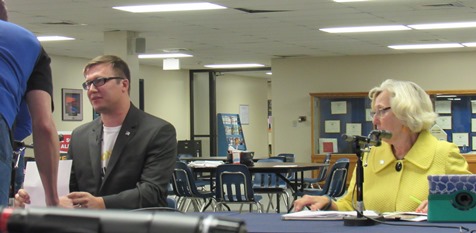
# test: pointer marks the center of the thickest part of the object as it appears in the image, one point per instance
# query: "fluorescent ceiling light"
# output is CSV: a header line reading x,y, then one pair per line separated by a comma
x,y
351,0
269,73
170,7
443,25
54,38
164,55
365,29
469,44
249,65
426,46
445,96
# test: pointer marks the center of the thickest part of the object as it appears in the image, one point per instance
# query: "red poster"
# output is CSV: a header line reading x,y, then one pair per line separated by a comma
x,y
64,144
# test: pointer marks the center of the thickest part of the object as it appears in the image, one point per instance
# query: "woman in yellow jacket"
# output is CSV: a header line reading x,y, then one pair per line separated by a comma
x,y
396,172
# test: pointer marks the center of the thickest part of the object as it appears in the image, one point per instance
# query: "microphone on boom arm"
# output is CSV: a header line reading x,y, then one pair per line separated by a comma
x,y
373,139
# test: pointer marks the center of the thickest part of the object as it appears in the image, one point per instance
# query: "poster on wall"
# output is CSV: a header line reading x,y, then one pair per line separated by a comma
x,y
65,138
327,145
72,105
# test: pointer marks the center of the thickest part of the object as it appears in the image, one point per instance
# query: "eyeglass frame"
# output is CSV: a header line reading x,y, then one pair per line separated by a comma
x,y
98,82
380,112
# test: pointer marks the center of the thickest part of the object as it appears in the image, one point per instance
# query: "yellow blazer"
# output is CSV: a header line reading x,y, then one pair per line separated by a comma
x,y
387,190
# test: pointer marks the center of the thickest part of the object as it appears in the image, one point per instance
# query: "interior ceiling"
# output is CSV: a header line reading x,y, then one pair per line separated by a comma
x,y
249,31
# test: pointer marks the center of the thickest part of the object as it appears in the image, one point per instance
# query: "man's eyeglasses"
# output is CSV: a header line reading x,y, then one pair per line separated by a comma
x,y
98,82
380,112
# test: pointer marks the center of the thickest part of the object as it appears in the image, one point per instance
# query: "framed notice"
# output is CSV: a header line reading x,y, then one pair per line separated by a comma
x,y
353,129
327,145
460,139
338,107
72,104
444,122
332,126
443,106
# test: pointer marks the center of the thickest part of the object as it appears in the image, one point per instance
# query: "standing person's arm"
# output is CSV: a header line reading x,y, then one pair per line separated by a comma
x,y
46,143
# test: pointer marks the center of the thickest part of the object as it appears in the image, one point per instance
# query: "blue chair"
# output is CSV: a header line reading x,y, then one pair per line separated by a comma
x,y
271,184
335,185
198,182
288,157
183,182
233,186
322,174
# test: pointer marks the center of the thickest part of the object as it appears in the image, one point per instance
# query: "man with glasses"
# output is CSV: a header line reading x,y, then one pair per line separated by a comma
x,y
396,172
26,90
123,159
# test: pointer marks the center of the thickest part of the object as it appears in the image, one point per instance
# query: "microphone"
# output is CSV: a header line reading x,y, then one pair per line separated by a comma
x,y
56,220
381,134
361,139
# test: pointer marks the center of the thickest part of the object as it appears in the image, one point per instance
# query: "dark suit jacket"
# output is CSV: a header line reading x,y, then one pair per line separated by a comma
x,y
140,167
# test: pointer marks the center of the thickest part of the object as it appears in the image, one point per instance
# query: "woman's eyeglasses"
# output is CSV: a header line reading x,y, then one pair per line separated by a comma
x,y
98,82
380,112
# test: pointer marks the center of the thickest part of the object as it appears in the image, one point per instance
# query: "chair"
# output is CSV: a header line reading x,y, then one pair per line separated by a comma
x,y
271,184
289,158
185,189
335,185
321,176
233,186
198,182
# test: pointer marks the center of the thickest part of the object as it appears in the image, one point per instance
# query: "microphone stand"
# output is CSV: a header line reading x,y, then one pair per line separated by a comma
x,y
360,219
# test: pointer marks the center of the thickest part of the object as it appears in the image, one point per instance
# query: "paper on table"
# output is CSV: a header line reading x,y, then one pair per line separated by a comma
x,y
324,215
405,216
34,187
286,165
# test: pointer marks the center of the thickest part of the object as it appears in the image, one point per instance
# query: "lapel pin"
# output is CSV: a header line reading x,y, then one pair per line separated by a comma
x,y
128,133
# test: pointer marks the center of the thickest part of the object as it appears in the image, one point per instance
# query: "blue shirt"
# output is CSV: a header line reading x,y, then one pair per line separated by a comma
x,y
24,66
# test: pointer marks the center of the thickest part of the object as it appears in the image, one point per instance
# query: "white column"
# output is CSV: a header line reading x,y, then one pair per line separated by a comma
x,y
122,44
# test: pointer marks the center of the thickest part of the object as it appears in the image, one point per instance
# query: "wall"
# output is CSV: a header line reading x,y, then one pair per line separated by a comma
x,y
294,79
166,93
167,96
233,91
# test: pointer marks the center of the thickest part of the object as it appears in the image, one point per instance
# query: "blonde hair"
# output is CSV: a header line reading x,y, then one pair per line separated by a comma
x,y
119,65
409,102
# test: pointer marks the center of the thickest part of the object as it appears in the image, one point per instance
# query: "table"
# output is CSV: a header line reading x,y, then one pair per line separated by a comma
x,y
216,158
272,223
278,169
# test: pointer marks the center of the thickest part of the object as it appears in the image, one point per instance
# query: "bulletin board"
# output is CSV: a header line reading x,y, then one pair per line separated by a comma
x,y
336,114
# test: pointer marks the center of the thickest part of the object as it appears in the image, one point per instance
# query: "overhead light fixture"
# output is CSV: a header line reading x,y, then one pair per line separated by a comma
x,y
469,44
244,65
445,96
443,25
269,73
365,29
164,55
351,0
169,7
54,38
171,64
426,46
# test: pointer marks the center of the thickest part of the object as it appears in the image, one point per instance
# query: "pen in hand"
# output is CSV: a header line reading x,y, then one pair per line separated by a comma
x,y
415,199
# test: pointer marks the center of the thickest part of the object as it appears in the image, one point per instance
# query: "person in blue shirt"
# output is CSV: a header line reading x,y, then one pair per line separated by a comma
x,y
25,76
21,129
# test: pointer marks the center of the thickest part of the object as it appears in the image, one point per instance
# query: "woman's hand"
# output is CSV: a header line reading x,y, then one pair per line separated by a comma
x,y
423,207
313,202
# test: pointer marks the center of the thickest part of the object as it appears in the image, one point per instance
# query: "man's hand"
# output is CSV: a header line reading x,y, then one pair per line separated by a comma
x,y
86,200
22,198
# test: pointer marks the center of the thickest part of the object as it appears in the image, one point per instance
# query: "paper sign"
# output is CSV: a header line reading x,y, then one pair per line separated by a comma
x,y
34,187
